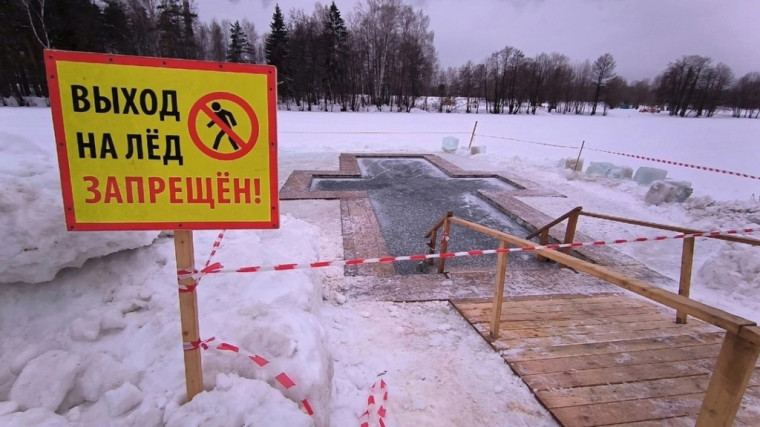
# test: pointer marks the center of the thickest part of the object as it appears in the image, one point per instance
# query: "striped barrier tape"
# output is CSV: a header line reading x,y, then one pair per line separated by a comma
x,y
379,389
282,378
215,247
218,267
670,162
529,142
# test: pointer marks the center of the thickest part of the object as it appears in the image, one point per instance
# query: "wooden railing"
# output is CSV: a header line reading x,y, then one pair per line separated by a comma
x,y
687,253
741,345
433,234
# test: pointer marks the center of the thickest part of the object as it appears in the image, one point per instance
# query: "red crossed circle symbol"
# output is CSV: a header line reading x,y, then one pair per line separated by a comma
x,y
202,106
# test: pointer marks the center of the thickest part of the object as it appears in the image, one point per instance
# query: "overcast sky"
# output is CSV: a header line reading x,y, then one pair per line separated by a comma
x,y
642,35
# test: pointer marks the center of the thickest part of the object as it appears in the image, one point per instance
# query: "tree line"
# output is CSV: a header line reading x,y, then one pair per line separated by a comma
x,y
383,55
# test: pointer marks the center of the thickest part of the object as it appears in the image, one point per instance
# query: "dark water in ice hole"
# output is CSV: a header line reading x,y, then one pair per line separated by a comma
x,y
410,195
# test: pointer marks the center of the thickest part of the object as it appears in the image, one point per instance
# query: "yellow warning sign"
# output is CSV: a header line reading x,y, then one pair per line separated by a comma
x,y
149,143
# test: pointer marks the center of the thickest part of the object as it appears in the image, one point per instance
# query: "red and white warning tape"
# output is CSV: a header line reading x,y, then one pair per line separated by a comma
x,y
218,267
378,393
215,247
282,378
529,142
670,162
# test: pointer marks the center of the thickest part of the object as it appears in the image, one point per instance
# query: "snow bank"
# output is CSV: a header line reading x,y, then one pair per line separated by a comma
x,y
238,401
114,356
36,244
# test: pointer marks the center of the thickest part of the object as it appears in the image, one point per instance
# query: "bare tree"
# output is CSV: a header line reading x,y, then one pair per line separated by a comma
x,y
745,96
35,12
603,70
582,85
252,52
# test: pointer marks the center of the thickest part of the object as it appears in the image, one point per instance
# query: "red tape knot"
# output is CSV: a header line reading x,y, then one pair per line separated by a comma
x,y
195,345
183,274
213,268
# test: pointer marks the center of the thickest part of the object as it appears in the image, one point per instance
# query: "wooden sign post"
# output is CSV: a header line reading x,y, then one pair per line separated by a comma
x,y
188,313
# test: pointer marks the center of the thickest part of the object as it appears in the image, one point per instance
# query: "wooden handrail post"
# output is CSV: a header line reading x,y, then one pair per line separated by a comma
x,y
572,224
445,241
729,380
498,292
431,245
543,240
684,285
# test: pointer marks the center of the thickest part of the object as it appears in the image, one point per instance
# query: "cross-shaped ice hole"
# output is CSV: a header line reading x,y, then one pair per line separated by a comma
x,y
410,195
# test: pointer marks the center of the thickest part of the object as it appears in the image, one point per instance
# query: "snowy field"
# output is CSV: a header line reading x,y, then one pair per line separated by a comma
x,y
90,321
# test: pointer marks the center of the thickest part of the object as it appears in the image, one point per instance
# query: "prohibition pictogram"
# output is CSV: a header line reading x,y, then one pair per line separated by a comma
x,y
225,121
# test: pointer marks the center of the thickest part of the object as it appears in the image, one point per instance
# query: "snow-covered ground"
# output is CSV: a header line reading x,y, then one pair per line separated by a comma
x,y
90,321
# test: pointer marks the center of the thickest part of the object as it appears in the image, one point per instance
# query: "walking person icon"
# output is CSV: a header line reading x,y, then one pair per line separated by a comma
x,y
228,120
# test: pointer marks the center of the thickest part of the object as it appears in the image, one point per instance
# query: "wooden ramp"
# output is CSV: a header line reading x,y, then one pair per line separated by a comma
x,y
609,359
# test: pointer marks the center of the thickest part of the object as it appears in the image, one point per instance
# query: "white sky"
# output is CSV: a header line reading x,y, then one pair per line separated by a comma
x,y
642,35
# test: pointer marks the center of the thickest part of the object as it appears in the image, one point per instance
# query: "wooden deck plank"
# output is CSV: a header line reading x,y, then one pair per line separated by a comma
x,y
609,347
661,387
608,336
619,374
748,412
630,411
610,360
559,398
665,422
531,316
570,300
562,305
582,329
580,321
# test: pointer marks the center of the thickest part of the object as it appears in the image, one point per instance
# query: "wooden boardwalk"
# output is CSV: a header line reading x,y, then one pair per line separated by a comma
x,y
609,359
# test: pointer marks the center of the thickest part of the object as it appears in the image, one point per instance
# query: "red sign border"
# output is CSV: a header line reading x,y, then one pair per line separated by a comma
x,y
51,59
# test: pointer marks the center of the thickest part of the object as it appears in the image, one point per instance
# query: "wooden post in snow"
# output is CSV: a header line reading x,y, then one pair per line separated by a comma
x,y
472,138
498,292
188,312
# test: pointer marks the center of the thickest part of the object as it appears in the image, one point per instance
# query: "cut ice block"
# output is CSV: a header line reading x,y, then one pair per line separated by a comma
x,y
450,144
668,192
646,175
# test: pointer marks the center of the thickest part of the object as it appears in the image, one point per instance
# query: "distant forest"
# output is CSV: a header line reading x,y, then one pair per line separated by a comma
x,y
382,55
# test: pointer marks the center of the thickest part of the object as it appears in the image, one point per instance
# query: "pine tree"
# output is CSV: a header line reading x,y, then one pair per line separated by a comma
x,y
336,52
175,23
117,32
276,49
237,43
